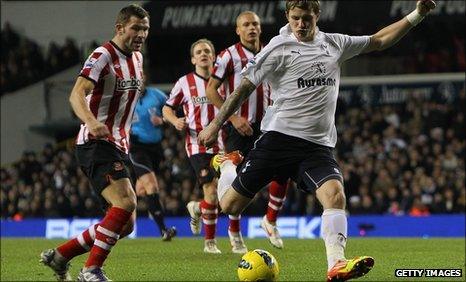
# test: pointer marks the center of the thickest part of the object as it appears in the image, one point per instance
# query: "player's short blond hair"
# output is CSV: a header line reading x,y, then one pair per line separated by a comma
x,y
245,13
132,10
202,40
310,5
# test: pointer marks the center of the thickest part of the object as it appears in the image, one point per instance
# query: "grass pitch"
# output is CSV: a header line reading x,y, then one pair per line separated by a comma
x,y
183,259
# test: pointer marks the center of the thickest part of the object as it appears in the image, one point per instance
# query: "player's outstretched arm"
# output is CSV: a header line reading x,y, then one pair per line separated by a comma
x,y
391,34
78,102
209,135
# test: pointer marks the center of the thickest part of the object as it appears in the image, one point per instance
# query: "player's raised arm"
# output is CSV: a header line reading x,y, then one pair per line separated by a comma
x,y
391,34
231,104
78,102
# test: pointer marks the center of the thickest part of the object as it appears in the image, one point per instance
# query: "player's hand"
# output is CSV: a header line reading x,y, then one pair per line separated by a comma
x,y
425,6
156,120
208,135
98,129
241,125
180,123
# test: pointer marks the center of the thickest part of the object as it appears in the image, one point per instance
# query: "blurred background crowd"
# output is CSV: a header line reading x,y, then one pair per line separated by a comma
x,y
24,62
403,158
396,159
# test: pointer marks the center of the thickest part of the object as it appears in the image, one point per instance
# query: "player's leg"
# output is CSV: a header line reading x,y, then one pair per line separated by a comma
x,y
319,172
122,198
145,162
148,183
226,165
209,215
277,194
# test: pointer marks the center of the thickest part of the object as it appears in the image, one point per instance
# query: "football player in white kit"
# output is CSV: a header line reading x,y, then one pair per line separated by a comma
x,y
302,65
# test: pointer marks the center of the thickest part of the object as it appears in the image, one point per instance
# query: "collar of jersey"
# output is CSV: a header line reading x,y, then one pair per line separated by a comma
x,y
120,50
286,31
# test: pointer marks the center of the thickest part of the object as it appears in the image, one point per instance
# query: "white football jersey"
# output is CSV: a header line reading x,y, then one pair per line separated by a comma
x,y
304,79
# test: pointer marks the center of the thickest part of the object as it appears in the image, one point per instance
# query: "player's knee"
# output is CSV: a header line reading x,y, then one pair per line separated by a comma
x,y
229,207
338,200
331,195
127,203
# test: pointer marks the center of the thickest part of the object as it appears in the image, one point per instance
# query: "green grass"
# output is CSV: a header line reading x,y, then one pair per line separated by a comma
x,y
183,259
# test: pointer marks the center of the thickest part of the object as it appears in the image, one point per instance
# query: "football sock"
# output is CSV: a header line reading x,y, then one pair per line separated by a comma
x,y
334,232
234,223
78,245
156,210
227,175
277,195
209,216
107,235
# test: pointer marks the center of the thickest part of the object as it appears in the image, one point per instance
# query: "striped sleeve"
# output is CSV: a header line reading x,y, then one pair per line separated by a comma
x,y
94,64
223,65
176,97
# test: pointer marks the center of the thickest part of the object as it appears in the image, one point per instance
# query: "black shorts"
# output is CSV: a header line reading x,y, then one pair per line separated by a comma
x,y
201,165
145,157
242,143
101,161
279,156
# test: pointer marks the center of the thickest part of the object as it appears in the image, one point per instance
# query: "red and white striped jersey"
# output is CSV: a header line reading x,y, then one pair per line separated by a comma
x,y
228,68
190,92
118,79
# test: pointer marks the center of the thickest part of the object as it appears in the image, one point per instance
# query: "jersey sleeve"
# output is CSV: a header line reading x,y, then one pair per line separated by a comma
x,y
223,66
176,97
264,63
351,45
94,64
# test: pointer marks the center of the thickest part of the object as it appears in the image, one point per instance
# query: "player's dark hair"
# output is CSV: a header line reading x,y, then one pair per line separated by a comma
x,y
132,10
310,5
202,40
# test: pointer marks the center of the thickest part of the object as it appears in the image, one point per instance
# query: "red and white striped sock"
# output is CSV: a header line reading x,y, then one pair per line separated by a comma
x,y
277,195
78,245
234,223
107,235
209,216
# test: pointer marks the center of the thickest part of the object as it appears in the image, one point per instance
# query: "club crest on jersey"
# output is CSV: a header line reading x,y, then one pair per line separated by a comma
x,y
200,100
319,68
128,84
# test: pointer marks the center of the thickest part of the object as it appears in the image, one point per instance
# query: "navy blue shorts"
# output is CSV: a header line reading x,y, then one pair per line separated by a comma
x,y
201,165
236,141
278,156
146,158
101,161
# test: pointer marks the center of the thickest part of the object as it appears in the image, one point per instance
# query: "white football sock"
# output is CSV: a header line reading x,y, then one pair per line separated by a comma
x,y
227,175
334,229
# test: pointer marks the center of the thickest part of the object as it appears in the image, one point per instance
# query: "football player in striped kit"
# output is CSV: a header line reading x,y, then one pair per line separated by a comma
x,y
104,98
189,93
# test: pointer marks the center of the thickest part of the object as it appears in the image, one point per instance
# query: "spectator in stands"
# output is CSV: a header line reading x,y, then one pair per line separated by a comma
x,y
428,168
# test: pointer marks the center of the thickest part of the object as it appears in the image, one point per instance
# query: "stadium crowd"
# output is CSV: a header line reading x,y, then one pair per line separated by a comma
x,y
24,62
396,159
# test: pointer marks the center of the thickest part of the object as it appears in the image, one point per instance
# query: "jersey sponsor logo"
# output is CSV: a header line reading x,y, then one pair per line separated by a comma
x,y
295,52
200,100
128,84
321,81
